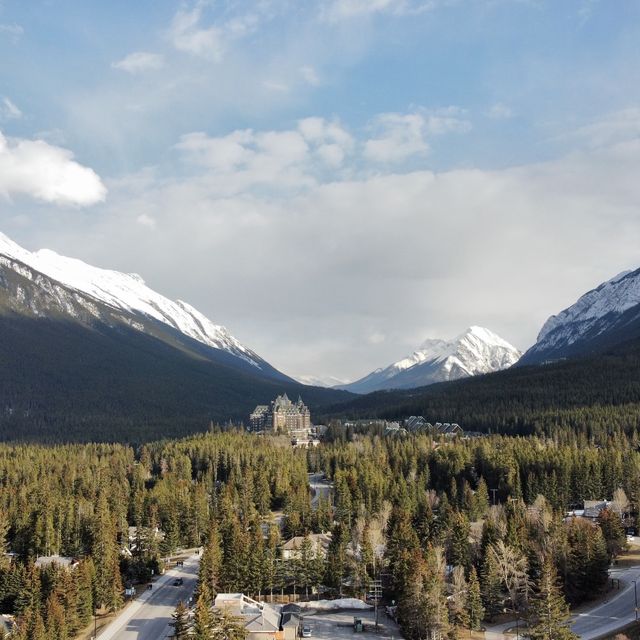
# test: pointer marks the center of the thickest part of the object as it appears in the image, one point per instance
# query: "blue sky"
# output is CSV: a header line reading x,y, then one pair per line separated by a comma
x,y
403,168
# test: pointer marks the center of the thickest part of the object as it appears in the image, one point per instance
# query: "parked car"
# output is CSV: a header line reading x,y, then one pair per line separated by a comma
x,y
306,631
178,582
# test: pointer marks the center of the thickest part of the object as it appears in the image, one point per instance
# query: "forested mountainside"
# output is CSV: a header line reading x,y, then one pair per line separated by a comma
x,y
403,508
89,354
591,395
62,381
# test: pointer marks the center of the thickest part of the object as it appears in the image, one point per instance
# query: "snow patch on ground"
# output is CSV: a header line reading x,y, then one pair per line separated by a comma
x,y
333,605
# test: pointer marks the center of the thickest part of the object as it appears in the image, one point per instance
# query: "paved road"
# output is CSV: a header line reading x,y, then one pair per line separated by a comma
x,y
320,486
149,616
616,612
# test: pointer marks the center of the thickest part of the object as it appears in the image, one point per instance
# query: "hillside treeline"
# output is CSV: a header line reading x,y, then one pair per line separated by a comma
x,y
595,396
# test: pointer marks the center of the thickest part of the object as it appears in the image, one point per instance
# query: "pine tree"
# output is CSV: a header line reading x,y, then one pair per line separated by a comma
x,y
422,607
105,554
226,626
56,624
482,499
84,574
211,563
337,558
491,587
180,621
202,617
474,601
549,611
459,549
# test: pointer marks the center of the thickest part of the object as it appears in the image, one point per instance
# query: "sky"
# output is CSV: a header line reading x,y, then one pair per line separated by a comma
x,y
335,181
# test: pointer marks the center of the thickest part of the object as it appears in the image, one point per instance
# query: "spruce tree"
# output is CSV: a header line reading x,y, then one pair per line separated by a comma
x,y
180,621
202,617
549,610
491,587
474,601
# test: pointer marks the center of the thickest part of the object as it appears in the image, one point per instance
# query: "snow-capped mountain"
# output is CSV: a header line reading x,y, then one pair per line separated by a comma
x,y
321,381
475,351
603,317
76,289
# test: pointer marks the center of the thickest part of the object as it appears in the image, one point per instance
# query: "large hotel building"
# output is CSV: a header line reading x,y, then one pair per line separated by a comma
x,y
281,417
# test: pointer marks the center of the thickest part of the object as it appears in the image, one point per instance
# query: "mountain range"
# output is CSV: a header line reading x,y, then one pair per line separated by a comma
x,y
95,354
474,352
90,353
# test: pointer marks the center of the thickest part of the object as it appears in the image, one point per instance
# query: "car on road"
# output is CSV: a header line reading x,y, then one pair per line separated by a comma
x,y
306,631
178,582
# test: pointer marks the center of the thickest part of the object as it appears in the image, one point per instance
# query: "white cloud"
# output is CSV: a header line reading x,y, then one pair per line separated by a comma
x,y
146,221
399,136
47,173
289,159
8,110
332,143
13,31
272,85
140,61
617,126
246,159
309,75
336,10
400,255
187,33
500,111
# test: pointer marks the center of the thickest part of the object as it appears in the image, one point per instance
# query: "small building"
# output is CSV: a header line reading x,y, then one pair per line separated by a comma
x,y
319,545
415,423
452,429
261,620
290,624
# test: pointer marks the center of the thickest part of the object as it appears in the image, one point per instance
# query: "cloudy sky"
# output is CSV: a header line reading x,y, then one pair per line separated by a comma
x,y
338,180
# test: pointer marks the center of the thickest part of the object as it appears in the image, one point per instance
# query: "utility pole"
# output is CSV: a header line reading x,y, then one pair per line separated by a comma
x,y
635,595
375,593
493,491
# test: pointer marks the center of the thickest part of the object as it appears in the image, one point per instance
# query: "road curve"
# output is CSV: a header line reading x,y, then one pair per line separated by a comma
x,y
613,614
148,617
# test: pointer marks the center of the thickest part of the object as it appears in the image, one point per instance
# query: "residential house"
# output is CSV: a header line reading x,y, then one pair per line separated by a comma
x,y
319,545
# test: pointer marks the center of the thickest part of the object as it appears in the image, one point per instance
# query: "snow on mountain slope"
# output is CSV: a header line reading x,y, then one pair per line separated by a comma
x,y
321,381
475,351
129,293
602,317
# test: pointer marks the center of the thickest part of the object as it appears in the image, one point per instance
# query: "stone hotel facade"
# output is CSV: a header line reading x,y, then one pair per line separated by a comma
x,y
281,417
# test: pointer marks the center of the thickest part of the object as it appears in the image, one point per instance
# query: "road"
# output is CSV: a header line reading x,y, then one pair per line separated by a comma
x,y
616,612
600,620
320,486
148,617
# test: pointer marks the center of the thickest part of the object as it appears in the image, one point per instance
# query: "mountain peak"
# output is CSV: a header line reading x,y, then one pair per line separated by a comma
x,y
477,350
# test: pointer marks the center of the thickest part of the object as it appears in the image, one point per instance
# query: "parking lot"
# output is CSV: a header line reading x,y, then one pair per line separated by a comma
x,y
327,625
